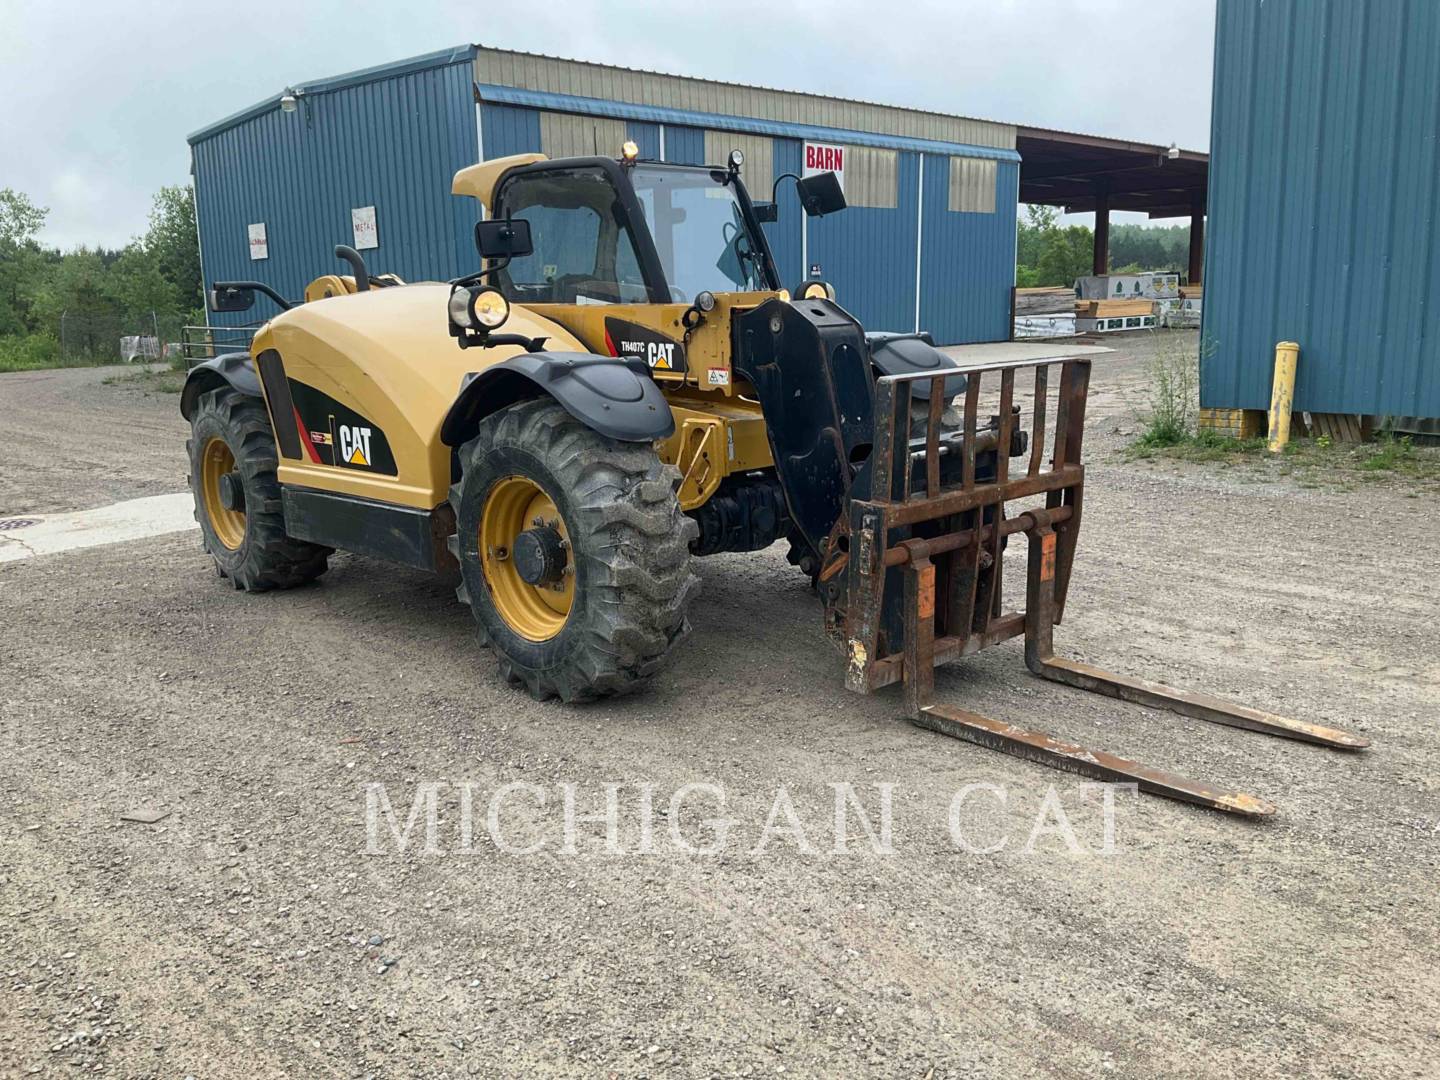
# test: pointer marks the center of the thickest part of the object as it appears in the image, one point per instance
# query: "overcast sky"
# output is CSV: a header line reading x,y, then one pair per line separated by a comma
x,y
96,98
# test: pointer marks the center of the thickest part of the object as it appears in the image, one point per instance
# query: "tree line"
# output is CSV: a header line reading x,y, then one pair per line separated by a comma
x,y
155,279
1047,254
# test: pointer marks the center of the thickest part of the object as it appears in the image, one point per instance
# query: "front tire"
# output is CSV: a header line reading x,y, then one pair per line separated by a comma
x,y
592,599
237,496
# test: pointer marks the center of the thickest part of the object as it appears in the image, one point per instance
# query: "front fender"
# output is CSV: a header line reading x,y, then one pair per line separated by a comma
x,y
230,369
614,396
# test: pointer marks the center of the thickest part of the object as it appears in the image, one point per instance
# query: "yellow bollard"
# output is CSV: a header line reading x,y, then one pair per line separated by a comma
x,y
1282,394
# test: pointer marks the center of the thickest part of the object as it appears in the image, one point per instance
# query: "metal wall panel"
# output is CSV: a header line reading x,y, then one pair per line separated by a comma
x,y
758,172
559,76
967,260
685,145
392,143
566,135
869,255
870,176
1325,205
646,137
508,130
972,186
784,233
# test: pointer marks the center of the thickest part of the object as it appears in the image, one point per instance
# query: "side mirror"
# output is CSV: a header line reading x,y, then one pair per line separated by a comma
x,y
231,298
821,194
507,238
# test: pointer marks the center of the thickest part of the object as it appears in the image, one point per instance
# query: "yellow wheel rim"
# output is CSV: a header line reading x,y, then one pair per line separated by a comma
x,y
215,462
535,612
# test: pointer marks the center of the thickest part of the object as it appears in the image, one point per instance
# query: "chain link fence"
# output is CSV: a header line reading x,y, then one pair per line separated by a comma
x,y
112,338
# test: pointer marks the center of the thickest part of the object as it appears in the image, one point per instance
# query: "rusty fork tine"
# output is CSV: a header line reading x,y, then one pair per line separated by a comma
x,y
1193,704
932,437
1039,747
1037,425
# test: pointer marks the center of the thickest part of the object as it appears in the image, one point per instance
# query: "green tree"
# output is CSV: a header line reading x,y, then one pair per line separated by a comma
x,y
172,243
20,219
1046,254
136,284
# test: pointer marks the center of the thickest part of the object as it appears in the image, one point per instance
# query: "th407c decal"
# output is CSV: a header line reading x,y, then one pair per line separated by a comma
x,y
624,338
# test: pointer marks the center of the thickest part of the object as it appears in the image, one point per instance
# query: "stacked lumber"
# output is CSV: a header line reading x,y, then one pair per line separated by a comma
x,y
1112,309
1046,300
1342,427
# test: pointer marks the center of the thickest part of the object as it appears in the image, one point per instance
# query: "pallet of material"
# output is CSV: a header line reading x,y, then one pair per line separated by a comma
x,y
1044,301
1112,309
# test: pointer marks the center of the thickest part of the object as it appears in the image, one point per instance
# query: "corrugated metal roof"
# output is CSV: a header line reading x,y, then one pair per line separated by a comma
x,y
581,78
439,58
498,94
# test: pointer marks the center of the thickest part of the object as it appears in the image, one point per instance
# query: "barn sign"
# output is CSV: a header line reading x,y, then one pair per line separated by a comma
x,y
825,157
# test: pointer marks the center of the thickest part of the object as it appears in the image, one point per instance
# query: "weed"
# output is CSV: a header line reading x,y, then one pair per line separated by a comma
x,y
1390,454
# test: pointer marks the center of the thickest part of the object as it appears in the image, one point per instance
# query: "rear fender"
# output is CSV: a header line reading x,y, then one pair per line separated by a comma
x,y
614,396
235,370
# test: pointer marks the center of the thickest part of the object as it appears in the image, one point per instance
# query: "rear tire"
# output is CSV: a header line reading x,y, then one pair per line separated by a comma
x,y
230,437
626,584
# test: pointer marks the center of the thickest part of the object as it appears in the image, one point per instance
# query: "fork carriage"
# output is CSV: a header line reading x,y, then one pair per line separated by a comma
x,y
922,567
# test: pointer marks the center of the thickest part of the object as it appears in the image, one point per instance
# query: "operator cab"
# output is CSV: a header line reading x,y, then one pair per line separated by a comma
x,y
607,232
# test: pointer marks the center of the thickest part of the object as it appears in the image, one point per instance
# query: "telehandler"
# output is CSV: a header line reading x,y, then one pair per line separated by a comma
x,y
625,384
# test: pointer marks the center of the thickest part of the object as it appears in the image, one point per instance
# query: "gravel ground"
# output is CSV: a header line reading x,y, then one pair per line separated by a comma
x,y
249,933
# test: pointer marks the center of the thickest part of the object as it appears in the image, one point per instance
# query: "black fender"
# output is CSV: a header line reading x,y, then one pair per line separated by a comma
x,y
907,354
612,395
230,369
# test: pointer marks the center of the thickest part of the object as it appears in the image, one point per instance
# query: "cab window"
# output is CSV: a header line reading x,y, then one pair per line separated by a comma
x,y
583,252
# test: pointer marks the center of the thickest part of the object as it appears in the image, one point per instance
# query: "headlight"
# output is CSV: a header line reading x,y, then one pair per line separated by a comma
x,y
705,301
459,306
736,159
488,308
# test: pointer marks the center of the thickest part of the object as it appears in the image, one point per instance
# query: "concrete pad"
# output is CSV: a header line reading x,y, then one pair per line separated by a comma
x,y
998,352
134,519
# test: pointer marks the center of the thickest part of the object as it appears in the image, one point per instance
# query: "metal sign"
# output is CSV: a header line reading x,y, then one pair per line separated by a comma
x,y
825,157
259,247
367,234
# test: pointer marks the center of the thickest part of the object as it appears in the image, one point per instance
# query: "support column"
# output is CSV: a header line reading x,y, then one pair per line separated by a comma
x,y
1101,264
1197,240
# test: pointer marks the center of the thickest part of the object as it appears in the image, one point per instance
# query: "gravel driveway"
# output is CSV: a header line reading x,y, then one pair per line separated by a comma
x,y
249,933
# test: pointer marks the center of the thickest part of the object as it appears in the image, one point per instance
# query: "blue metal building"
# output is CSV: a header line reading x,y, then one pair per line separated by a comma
x,y
1324,205
927,242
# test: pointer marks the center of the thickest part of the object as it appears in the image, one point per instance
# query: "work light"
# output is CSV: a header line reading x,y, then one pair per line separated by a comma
x,y
488,307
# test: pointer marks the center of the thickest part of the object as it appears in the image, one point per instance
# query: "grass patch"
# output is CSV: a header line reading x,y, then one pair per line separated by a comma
x,y
1197,446
1313,463
150,381
36,352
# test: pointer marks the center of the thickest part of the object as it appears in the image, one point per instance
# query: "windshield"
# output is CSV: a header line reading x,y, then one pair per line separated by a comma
x,y
583,252
699,230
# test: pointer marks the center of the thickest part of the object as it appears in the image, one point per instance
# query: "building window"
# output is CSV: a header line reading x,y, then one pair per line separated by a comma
x,y
972,185
870,176
565,135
